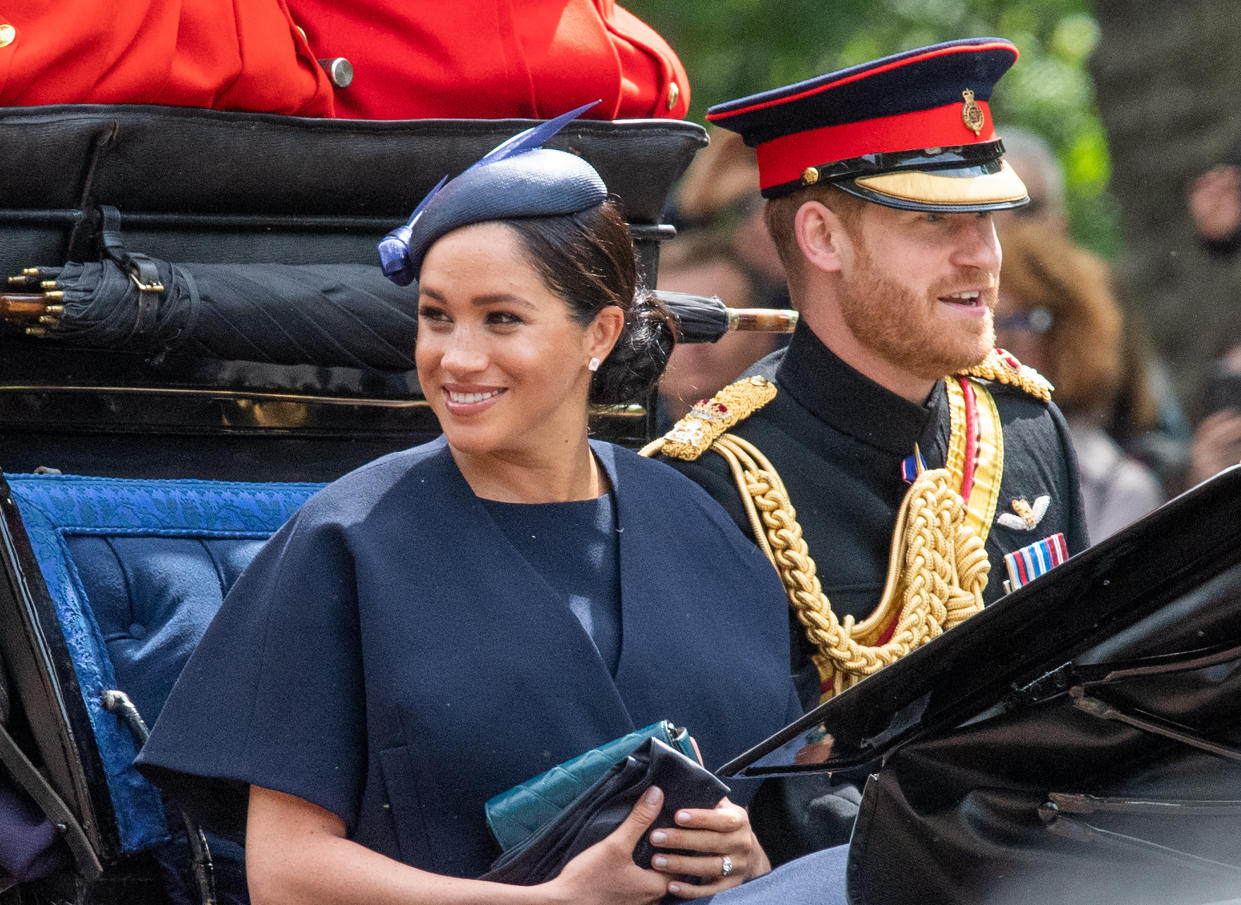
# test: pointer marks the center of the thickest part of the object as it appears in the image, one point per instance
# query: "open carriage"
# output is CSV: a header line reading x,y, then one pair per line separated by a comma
x,y
142,473
146,461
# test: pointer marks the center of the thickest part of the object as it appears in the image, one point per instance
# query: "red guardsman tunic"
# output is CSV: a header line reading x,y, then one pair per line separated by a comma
x,y
495,58
466,58
226,54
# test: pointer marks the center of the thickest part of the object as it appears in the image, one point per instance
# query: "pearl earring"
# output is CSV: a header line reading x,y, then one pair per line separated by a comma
x,y
594,364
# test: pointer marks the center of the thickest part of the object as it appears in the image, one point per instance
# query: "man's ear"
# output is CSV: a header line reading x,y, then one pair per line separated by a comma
x,y
819,235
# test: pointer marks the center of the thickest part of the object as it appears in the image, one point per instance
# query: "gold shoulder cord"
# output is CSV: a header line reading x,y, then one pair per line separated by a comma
x,y
938,567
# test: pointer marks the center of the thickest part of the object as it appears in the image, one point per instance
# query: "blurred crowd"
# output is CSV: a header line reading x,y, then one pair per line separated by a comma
x,y
1214,201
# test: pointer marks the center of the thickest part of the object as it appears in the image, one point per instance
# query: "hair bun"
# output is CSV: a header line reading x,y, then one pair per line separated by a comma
x,y
640,354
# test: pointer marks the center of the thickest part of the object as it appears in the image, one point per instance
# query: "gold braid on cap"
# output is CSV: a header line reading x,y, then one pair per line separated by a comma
x,y
936,574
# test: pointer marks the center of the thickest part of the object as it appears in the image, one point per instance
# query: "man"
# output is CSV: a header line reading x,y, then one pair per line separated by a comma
x,y
493,59
196,53
854,449
881,181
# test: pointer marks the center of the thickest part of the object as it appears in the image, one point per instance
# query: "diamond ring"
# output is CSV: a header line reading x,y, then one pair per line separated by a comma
x,y
726,866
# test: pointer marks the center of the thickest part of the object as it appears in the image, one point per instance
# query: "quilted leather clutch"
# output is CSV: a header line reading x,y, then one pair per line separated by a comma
x,y
601,808
520,812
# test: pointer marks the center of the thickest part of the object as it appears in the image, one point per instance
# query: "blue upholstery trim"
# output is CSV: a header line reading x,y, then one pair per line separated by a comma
x,y
54,507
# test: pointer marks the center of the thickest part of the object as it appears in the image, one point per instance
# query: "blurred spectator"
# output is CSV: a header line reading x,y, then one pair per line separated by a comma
x,y
705,264
1146,418
1058,313
1214,201
1217,441
722,248
718,195
1036,163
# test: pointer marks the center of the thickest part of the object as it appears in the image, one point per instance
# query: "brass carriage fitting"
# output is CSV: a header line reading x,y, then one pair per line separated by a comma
x,y
36,331
47,284
49,320
55,309
31,271
55,295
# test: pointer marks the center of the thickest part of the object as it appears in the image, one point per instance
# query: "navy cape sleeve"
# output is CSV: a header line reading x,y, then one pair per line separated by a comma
x,y
272,695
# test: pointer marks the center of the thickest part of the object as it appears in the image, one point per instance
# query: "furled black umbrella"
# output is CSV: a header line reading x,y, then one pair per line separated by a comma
x,y
321,314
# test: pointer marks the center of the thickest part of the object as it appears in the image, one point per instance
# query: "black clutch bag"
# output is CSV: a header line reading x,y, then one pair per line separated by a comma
x,y
524,809
601,809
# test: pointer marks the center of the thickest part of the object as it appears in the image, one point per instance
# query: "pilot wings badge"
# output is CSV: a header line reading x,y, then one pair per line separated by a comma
x,y
1027,516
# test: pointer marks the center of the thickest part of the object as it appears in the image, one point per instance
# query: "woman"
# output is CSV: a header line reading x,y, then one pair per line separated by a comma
x,y
454,619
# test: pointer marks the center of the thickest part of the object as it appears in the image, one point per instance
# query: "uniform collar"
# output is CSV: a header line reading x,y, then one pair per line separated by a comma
x,y
854,404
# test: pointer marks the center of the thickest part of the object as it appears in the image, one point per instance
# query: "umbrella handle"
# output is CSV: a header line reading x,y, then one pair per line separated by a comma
x,y
29,308
762,320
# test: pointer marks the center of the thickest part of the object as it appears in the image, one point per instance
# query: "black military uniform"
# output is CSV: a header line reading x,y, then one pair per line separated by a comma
x,y
838,440
911,132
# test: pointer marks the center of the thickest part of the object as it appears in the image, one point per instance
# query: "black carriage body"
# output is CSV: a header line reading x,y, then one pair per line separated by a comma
x,y
1077,741
209,187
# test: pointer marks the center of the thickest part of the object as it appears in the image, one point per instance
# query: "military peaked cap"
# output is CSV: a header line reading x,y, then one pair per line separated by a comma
x,y
911,131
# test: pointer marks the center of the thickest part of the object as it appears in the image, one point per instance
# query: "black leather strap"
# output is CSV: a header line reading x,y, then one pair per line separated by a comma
x,y
141,269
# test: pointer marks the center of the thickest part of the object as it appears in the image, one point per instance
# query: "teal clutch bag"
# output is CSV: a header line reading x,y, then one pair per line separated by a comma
x,y
524,809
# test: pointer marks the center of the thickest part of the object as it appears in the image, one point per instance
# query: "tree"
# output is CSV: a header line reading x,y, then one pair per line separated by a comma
x,y
1169,82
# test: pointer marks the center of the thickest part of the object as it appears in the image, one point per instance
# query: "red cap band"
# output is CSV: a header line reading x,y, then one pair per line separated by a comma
x,y
782,160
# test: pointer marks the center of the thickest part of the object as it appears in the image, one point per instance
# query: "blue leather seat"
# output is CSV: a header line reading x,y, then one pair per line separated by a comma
x,y
136,569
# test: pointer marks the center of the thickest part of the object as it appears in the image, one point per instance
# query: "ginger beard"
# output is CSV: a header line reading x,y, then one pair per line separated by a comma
x,y
910,328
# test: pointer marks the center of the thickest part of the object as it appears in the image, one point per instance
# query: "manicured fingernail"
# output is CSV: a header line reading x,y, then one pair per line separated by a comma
x,y
682,816
658,836
674,888
659,861
652,795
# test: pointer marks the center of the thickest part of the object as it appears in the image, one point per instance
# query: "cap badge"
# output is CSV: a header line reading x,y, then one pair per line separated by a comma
x,y
810,175
971,113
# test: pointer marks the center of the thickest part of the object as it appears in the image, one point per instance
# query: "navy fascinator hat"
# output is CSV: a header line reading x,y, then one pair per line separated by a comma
x,y
518,178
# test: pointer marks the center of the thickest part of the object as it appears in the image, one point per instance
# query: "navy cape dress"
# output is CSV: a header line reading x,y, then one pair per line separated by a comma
x,y
390,657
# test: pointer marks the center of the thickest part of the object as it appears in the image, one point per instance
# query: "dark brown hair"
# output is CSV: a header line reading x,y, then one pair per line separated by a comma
x,y
588,260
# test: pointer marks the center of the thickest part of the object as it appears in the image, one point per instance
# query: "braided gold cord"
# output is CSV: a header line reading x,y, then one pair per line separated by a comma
x,y
936,574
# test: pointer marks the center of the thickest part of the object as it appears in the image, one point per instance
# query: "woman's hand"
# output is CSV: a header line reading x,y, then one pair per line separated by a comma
x,y
297,853
605,874
719,837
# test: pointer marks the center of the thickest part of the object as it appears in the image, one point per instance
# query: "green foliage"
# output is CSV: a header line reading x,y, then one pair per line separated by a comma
x,y
736,47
